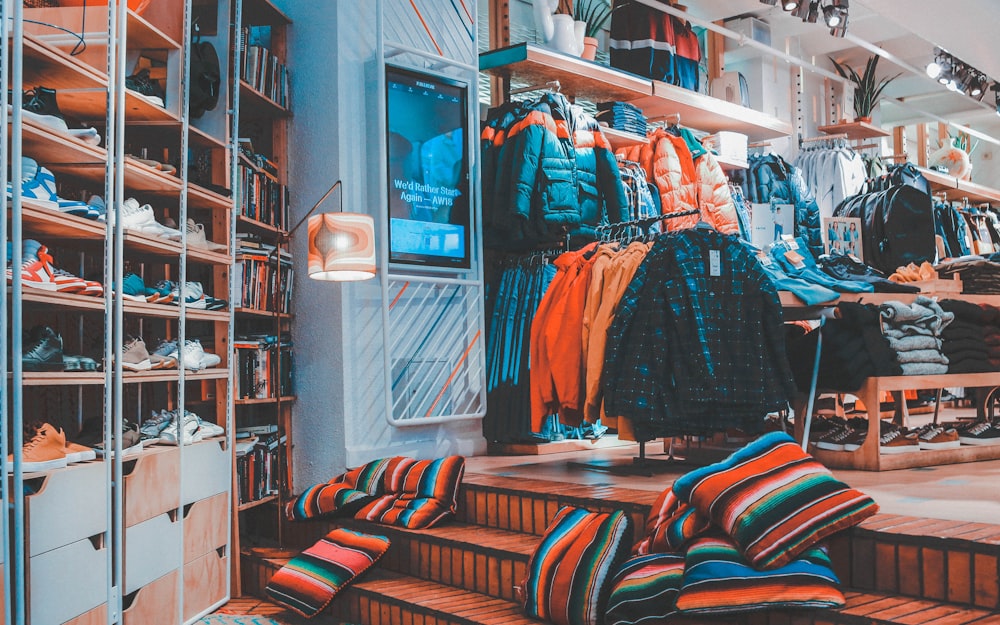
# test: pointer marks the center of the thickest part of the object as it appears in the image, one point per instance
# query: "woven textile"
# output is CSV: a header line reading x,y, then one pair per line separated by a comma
x,y
344,494
645,590
773,499
670,525
309,581
237,619
418,493
568,575
717,579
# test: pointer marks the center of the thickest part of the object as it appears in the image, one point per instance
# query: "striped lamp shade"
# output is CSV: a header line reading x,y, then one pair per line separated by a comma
x,y
341,247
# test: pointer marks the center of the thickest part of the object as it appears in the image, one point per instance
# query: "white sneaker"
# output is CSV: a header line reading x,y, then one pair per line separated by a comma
x,y
209,429
190,428
196,358
196,238
142,219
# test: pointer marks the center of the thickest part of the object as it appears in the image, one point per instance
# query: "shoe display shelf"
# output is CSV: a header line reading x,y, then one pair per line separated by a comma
x,y
260,173
171,552
868,456
957,189
530,64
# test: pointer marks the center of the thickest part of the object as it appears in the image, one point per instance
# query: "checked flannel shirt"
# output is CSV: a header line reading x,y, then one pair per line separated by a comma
x,y
697,345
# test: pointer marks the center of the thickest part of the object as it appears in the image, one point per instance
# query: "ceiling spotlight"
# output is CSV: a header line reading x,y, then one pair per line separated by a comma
x,y
832,16
802,10
790,5
935,67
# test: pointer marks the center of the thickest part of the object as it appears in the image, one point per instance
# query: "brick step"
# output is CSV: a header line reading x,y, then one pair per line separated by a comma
x,y
922,558
868,608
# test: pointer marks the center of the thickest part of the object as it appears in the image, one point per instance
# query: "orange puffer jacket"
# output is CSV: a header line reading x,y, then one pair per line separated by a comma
x,y
686,183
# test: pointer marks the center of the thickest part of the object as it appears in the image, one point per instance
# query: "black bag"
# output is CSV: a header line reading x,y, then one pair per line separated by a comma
x,y
205,78
897,226
905,173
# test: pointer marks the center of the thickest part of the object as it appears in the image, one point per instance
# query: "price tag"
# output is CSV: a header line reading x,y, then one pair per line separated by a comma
x,y
714,263
790,240
765,260
796,259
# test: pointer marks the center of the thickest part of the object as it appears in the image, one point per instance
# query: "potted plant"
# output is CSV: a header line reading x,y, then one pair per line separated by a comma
x,y
595,13
867,89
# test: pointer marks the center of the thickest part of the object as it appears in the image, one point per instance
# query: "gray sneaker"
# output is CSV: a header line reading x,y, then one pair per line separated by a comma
x,y
134,355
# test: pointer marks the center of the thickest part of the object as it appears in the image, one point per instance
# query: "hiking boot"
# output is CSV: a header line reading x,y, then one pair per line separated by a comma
x,y
939,438
44,351
44,452
982,434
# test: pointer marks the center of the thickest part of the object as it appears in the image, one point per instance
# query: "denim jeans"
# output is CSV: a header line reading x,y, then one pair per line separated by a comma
x,y
810,272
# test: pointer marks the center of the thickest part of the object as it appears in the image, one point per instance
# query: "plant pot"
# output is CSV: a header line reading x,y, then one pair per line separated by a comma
x,y
866,120
589,48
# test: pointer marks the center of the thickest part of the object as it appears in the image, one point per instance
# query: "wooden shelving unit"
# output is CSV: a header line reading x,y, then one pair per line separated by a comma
x,y
957,189
265,400
855,131
532,64
256,103
621,139
257,502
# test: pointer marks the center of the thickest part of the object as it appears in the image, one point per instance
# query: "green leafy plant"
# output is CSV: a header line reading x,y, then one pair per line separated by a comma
x,y
595,12
867,88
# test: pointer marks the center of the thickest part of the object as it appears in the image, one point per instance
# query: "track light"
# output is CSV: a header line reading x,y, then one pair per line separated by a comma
x,y
790,5
835,16
812,16
938,65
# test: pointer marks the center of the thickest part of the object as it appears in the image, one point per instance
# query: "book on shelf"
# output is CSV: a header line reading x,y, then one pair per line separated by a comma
x,y
261,68
257,278
262,196
257,368
258,470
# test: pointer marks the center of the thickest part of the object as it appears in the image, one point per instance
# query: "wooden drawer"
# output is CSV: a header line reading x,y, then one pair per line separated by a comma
x,y
67,582
207,470
152,549
152,483
154,603
68,506
97,616
205,583
206,526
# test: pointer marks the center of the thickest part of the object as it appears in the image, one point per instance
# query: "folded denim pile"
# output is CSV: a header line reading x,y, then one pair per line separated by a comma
x,y
964,339
914,333
622,116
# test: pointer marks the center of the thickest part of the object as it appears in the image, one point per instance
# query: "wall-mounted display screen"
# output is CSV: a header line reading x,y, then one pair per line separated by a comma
x,y
430,213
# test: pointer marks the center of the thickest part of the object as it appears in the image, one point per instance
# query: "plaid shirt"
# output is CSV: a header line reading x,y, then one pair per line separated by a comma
x,y
697,344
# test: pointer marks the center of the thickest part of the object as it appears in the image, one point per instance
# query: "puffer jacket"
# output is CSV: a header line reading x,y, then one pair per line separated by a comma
x,y
775,181
686,183
553,174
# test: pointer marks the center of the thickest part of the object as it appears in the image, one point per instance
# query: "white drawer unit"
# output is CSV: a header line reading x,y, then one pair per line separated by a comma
x,y
67,507
206,470
67,582
152,549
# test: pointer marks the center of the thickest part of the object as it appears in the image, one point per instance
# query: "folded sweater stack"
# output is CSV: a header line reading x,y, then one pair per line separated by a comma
x,y
854,349
964,340
914,333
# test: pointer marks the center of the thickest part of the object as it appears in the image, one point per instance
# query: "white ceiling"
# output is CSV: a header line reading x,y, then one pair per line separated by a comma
x,y
908,29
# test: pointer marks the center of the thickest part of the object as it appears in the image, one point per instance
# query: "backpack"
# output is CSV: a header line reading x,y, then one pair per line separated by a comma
x,y
205,78
897,226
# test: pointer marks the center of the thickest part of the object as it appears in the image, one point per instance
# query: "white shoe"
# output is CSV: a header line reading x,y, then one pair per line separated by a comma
x,y
209,429
191,430
196,238
142,219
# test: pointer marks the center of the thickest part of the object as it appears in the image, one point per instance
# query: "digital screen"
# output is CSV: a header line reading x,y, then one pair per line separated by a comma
x,y
429,207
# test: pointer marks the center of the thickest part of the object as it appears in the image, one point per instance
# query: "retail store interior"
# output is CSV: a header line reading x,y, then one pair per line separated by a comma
x,y
470,312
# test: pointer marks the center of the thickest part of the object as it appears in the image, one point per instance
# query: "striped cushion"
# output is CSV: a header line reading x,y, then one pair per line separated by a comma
x,y
773,499
670,525
645,590
310,580
718,579
418,493
568,575
344,494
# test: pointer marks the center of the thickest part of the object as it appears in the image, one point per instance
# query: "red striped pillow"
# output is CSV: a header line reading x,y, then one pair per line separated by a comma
x,y
418,493
670,525
773,499
310,581
644,591
344,494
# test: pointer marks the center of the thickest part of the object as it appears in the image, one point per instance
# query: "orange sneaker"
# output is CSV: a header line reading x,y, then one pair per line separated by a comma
x,y
45,451
78,453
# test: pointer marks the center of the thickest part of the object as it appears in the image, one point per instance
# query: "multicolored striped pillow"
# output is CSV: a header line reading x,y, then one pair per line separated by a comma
x,y
717,579
773,499
418,493
344,494
568,575
645,590
309,581
670,525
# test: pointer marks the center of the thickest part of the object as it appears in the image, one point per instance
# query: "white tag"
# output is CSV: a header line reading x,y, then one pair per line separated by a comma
x,y
765,260
714,263
790,240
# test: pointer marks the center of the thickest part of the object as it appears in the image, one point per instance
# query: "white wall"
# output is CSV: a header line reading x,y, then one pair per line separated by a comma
x,y
336,133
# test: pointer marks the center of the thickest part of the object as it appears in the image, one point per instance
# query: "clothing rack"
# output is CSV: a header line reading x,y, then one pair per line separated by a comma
x,y
839,135
759,144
